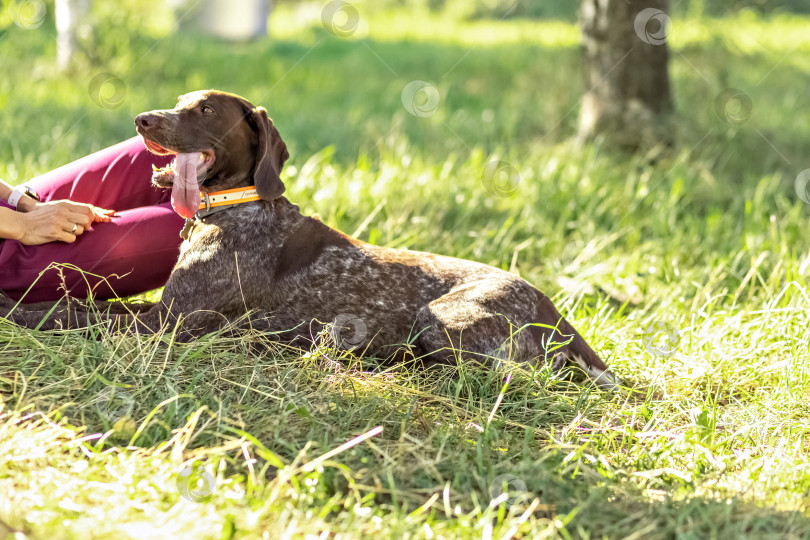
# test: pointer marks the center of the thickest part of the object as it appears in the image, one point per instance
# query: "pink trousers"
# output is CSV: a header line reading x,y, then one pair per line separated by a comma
x,y
133,253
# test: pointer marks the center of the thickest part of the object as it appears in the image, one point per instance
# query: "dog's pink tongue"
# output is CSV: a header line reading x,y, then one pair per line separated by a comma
x,y
185,190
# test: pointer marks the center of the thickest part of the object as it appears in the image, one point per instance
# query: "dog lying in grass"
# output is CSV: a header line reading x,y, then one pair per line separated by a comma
x,y
248,250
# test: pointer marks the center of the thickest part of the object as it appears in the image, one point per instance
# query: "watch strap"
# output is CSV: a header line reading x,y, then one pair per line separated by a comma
x,y
16,195
18,192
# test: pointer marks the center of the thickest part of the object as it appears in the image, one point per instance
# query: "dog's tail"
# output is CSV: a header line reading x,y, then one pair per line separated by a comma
x,y
576,350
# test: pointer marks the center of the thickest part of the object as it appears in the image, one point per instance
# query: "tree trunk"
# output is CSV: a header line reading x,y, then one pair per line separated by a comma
x,y
625,67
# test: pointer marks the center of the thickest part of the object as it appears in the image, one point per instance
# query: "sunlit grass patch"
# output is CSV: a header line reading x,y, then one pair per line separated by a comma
x,y
744,32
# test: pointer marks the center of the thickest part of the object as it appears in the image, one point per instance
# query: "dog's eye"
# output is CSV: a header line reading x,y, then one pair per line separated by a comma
x,y
207,110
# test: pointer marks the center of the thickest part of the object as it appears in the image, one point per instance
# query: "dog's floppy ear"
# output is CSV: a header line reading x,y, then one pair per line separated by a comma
x,y
271,153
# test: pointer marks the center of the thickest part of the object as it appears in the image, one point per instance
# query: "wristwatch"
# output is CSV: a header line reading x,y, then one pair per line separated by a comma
x,y
18,192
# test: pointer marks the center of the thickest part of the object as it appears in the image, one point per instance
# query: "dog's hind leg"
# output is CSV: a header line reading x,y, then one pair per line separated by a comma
x,y
495,321
576,350
461,324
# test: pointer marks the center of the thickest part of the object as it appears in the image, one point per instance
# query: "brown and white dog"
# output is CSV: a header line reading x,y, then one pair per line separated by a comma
x,y
298,278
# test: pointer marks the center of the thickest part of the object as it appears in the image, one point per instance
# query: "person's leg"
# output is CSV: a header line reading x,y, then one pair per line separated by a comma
x,y
135,253
117,178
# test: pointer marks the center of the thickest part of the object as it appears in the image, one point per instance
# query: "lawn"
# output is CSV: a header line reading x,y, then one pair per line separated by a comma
x,y
686,269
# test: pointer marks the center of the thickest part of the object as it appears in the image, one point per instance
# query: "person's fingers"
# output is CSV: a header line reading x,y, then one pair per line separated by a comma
x,y
62,235
83,218
89,211
76,208
61,221
68,209
75,228
102,214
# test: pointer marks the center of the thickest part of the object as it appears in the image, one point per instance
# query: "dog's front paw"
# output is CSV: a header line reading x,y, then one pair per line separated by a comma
x,y
163,178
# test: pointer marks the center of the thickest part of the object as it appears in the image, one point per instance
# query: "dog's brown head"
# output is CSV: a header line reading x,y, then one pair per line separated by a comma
x,y
222,141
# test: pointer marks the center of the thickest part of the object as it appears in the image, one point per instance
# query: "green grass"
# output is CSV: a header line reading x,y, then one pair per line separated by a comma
x,y
686,269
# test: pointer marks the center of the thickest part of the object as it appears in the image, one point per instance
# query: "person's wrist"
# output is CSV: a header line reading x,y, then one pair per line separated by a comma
x,y
26,204
20,225
23,198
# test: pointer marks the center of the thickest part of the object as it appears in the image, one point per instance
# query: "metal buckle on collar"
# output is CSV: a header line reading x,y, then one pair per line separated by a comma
x,y
207,202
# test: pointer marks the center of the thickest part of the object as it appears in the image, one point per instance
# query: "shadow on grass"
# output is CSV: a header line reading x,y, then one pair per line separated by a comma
x,y
466,432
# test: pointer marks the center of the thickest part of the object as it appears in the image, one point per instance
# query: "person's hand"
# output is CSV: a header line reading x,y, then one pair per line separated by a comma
x,y
58,221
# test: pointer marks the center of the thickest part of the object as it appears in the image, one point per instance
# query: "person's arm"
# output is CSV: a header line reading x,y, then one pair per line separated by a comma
x,y
25,203
10,226
38,223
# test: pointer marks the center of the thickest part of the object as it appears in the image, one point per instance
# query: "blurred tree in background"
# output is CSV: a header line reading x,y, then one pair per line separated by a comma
x,y
113,37
567,9
625,66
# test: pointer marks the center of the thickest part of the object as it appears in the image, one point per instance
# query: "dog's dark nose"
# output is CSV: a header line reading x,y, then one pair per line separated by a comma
x,y
146,120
